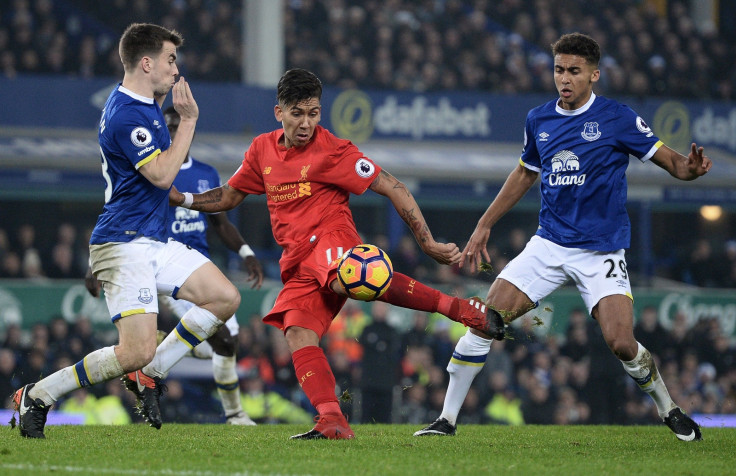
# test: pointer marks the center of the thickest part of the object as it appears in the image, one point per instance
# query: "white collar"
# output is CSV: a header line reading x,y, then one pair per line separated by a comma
x,y
577,111
130,93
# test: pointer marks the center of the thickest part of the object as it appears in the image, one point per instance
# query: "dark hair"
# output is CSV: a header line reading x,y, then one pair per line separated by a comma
x,y
141,39
297,85
170,110
578,44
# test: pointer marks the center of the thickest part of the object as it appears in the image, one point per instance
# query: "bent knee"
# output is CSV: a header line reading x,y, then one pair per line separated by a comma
x,y
623,348
231,299
136,356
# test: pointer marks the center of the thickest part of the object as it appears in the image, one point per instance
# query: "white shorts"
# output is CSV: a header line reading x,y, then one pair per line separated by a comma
x,y
180,306
544,266
133,274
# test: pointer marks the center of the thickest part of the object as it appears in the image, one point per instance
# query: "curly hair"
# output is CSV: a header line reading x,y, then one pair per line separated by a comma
x,y
578,44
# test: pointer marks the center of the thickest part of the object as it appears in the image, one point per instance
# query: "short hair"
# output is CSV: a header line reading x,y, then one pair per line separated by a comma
x,y
170,110
298,85
141,39
578,44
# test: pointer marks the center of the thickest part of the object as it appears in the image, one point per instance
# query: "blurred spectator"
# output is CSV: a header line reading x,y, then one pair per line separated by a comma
x,y
650,332
265,406
504,406
30,257
14,340
9,379
63,260
380,364
12,266
538,407
702,264
175,407
414,404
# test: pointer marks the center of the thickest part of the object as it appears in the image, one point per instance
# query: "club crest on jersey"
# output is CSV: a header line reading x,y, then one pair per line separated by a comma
x,y
203,185
590,131
563,163
145,296
365,168
140,137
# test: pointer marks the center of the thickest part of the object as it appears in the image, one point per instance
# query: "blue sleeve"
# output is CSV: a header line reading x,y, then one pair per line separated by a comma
x,y
634,135
137,142
529,154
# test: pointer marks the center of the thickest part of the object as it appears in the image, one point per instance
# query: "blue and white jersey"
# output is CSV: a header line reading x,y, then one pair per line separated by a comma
x,y
190,226
132,133
582,156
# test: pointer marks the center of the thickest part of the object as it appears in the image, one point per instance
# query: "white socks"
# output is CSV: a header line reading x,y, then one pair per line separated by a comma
x,y
467,361
203,351
228,385
644,372
96,367
196,325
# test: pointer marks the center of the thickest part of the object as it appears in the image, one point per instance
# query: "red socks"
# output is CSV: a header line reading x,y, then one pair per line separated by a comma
x,y
410,293
316,378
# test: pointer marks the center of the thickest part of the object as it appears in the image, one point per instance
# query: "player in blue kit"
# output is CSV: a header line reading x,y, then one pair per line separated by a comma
x,y
190,227
130,253
580,145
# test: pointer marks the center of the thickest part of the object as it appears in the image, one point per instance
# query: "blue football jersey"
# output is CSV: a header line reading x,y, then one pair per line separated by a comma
x,y
582,157
190,226
132,133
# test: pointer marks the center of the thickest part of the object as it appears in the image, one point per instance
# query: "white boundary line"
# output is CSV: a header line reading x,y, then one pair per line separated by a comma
x,y
100,470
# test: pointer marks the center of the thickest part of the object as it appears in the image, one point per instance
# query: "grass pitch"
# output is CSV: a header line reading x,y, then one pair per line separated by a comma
x,y
183,450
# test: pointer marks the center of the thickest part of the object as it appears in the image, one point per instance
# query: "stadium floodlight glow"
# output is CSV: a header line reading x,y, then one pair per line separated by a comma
x,y
711,212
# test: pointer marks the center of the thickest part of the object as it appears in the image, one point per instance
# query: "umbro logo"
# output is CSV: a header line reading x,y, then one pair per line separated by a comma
x,y
543,136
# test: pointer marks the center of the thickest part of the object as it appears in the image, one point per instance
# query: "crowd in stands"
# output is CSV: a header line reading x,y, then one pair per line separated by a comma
x,y
62,253
406,45
391,371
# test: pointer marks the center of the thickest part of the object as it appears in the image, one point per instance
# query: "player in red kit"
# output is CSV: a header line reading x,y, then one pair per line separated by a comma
x,y
308,175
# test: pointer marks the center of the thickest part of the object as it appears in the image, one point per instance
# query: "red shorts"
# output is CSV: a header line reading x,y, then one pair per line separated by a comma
x,y
306,299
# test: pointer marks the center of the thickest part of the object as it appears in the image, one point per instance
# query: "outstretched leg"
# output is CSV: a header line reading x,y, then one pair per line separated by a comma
x,y
615,315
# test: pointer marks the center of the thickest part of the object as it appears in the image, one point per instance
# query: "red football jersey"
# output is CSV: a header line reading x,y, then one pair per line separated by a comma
x,y
307,188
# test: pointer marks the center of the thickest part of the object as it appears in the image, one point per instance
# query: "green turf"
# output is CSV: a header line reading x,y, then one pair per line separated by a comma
x,y
378,450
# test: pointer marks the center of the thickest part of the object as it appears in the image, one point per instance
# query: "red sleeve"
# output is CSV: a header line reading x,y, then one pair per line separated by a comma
x,y
247,178
351,170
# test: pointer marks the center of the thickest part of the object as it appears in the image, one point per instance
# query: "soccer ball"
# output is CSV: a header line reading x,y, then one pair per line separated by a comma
x,y
365,272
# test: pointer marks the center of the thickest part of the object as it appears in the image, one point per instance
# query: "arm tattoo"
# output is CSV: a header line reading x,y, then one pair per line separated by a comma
x,y
383,175
209,197
418,227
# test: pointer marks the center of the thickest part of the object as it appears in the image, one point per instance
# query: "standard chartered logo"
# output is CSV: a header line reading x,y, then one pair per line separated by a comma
x,y
352,115
672,125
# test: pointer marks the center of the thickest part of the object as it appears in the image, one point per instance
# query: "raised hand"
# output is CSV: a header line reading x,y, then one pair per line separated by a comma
x,y
698,163
183,100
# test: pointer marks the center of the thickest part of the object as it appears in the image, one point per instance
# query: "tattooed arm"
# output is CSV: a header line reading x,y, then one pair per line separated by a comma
x,y
387,185
218,199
